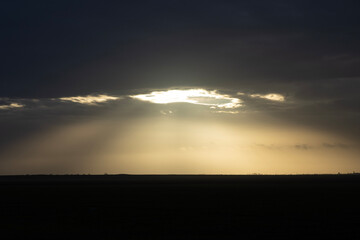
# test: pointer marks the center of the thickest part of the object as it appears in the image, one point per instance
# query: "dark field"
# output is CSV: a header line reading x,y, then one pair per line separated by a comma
x,y
180,207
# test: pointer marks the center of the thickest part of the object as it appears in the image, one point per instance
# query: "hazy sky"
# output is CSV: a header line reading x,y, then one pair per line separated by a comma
x,y
180,87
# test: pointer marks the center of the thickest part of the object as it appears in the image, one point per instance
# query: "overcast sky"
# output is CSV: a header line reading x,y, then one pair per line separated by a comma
x,y
106,86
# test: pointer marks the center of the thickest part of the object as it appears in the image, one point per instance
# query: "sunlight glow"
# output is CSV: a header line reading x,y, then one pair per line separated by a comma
x,y
193,96
90,99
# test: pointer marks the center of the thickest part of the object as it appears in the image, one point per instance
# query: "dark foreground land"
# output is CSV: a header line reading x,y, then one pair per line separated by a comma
x,y
180,207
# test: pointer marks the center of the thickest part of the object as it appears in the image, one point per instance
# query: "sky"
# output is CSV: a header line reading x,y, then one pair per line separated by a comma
x,y
179,87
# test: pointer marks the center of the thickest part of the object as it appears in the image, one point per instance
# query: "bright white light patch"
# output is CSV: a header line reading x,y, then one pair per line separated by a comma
x,y
12,105
89,100
271,96
194,96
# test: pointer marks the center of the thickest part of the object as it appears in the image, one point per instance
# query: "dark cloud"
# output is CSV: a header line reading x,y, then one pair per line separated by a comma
x,y
305,146
68,48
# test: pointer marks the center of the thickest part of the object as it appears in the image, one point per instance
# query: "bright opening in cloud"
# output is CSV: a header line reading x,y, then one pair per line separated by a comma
x,y
12,105
193,96
90,99
271,96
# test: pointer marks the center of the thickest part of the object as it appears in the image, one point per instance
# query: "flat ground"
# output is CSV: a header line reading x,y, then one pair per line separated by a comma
x,y
180,207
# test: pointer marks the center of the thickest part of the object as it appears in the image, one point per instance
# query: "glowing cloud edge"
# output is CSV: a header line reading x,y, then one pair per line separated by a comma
x,y
89,99
271,96
11,105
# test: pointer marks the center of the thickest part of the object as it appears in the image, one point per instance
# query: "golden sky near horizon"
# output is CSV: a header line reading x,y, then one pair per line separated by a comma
x,y
188,131
214,87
